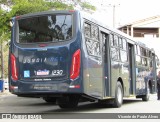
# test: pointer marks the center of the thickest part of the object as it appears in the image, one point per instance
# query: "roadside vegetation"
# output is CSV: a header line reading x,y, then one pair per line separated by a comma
x,y
20,7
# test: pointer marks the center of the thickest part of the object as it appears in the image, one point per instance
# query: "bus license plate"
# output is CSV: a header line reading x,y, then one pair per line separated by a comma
x,y
45,87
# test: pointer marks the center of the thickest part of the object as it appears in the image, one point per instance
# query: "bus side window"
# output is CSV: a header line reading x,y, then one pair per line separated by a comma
x,y
111,39
135,47
87,29
94,32
138,60
147,53
124,44
150,63
115,40
123,55
150,54
143,51
120,43
92,40
138,50
144,61
114,53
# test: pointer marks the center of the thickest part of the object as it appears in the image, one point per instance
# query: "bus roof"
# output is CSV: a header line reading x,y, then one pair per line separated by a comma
x,y
90,18
129,38
46,12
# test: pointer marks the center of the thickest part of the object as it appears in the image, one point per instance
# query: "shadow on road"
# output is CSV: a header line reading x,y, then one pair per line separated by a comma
x,y
88,106
19,104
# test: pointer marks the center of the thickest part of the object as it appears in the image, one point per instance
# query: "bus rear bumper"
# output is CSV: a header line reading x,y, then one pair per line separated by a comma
x,y
43,89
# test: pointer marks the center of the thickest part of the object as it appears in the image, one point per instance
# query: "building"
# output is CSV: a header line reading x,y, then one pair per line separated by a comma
x,y
146,31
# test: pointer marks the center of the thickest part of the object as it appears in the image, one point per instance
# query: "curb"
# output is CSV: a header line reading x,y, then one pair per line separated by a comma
x,y
5,93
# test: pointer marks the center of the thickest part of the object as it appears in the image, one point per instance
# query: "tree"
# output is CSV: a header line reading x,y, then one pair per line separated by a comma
x,y
20,7
3,1
29,6
4,25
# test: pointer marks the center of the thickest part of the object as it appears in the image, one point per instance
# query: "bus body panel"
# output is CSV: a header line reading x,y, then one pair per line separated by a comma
x,y
94,78
34,75
92,65
45,67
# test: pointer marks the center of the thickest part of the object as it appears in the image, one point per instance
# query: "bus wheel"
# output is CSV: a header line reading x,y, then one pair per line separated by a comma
x,y
118,100
146,97
49,99
68,101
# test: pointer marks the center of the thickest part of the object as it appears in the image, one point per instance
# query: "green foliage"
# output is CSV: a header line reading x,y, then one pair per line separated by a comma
x,y
88,6
4,26
3,1
59,6
20,7
5,60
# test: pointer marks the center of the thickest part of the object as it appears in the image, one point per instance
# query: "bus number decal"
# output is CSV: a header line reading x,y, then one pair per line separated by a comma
x,y
57,72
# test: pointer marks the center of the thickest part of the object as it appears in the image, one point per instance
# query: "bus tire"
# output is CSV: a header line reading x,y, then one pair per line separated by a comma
x,y
146,97
118,100
49,99
68,102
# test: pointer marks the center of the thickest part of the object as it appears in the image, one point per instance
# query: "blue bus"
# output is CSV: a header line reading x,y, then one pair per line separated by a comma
x,y
67,57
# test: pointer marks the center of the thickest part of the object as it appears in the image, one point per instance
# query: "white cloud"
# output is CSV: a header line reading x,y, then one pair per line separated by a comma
x,y
128,10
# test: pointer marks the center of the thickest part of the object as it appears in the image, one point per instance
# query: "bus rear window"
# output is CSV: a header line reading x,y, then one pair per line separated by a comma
x,y
48,28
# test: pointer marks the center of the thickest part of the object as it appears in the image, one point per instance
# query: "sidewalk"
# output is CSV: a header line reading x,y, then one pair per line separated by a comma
x,y
5,92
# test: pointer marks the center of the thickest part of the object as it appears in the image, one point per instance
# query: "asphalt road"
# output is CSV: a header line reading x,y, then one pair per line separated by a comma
x,y
12,104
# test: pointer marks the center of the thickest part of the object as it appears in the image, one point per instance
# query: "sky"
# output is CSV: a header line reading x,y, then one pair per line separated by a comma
x,y
126,11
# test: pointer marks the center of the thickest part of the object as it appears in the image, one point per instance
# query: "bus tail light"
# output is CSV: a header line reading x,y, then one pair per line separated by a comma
x,y
14,67
75,67
71,10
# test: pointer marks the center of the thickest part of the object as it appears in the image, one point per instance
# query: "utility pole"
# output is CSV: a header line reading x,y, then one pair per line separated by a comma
x,y
114,12
113,16
104,4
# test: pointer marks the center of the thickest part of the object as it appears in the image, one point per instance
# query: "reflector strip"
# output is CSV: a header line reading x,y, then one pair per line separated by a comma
x,y
74,86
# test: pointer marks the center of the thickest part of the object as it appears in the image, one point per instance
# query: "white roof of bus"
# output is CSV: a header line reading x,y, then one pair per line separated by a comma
x,y
129,38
